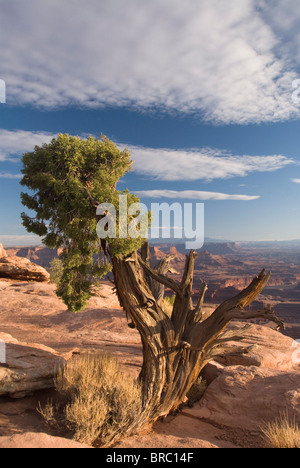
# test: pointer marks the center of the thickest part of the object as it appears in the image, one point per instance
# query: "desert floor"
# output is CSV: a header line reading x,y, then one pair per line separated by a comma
x,y
31,313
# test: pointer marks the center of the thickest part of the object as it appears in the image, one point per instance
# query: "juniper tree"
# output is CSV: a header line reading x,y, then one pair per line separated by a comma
x,y
67,180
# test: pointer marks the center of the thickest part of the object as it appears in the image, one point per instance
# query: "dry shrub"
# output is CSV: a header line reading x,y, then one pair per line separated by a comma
x,y
282,433
101,401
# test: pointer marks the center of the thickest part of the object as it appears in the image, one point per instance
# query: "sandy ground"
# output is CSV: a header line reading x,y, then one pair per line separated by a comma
x,y
31,312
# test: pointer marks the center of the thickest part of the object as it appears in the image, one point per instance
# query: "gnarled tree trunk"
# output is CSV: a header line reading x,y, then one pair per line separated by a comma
x,y
176,348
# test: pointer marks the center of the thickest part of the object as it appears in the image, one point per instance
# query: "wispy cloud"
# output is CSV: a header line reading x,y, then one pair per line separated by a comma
x,y
296,181
220,60
204,164
159,163
193,195
14,143
7,175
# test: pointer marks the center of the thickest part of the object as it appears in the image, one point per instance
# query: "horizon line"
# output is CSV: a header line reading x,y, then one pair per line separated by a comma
x,y
168,241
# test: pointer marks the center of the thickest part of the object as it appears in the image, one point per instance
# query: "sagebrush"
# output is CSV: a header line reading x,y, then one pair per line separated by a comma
x,y
100,400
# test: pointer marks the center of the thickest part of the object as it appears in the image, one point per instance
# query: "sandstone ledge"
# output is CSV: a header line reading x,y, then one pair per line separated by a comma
x,y
30,440
249,397
17,268
28,367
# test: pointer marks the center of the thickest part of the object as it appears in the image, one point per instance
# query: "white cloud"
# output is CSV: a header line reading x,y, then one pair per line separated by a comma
x,y
284,19
296,181
192,195
13,143
221,60
159,163
204,164
7,175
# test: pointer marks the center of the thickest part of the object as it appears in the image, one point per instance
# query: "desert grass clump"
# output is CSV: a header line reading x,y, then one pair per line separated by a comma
x,y
281,433
101,401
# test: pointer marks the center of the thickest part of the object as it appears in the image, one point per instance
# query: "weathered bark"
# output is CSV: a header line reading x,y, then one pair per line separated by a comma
x,y
176,348
163,267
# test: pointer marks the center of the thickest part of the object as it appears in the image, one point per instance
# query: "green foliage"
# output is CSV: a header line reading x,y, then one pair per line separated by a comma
x,y
170,299
65,180
168,304
56,271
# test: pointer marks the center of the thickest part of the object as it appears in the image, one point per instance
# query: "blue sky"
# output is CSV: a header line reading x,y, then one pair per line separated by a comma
x,y
203,92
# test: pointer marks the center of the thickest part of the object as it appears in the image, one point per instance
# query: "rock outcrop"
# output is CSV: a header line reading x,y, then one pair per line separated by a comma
x,y
249,397
39,255
269,348
27,367
38,440
246,391
17,268
2,251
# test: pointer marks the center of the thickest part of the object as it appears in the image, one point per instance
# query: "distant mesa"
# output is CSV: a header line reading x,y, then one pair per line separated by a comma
x,y
157,253
215,248
42,256
179,256
39,255
221,248
206,258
